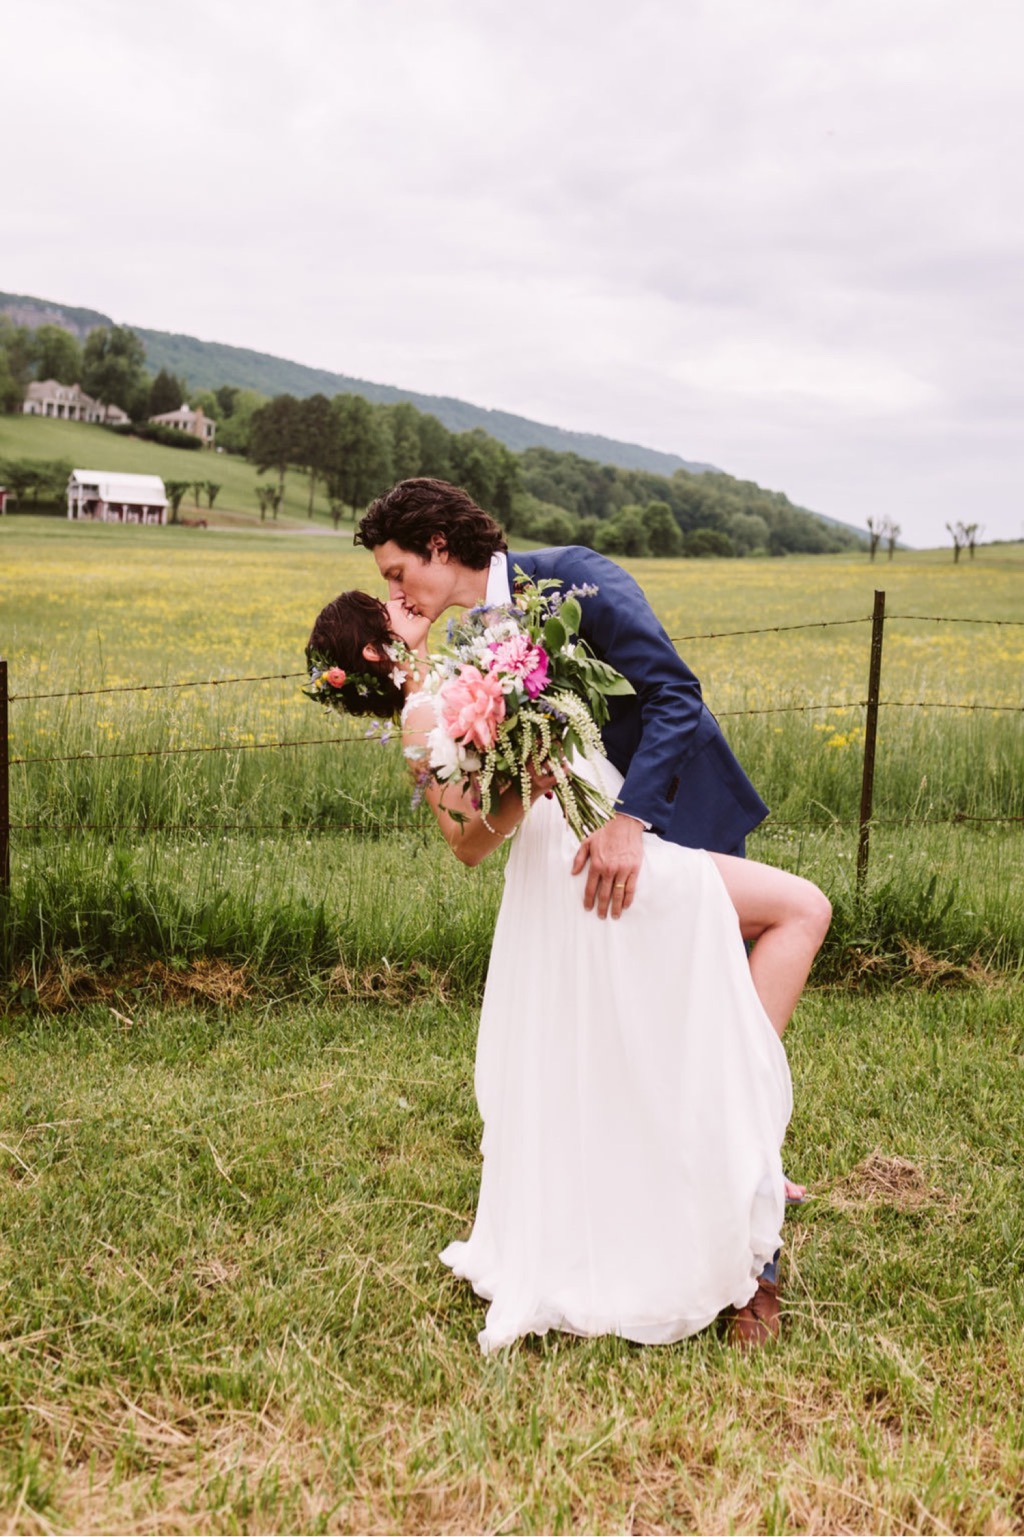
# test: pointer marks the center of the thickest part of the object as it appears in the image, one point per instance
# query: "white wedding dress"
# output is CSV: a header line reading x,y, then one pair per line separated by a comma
x,y
634,1098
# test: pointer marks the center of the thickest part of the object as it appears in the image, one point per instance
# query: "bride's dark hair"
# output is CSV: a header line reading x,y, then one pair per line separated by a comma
x,y
341,630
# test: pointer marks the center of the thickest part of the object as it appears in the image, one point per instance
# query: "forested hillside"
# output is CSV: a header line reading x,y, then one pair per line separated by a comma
x,y
351,446
207,365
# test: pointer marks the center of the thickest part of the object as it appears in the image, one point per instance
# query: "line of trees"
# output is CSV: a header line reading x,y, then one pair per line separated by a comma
x,y
351,449
35,483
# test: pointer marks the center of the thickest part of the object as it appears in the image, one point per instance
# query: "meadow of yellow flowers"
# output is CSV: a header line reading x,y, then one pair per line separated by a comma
x,y
782,648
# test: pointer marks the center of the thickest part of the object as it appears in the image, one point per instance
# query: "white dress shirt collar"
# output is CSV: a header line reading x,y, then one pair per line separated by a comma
x,y
499,593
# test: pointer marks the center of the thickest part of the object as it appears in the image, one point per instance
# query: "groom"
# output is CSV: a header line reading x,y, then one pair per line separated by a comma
x,y
436,549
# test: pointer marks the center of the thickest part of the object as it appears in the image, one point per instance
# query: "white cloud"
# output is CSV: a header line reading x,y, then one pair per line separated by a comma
x,y
784,238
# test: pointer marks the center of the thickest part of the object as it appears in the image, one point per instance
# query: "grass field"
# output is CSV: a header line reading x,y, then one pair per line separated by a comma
x,y
160,862
223,1309
236,1116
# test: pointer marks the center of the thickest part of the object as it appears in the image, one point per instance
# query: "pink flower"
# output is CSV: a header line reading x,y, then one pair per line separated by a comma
x,y
473,707
535,681
520,656
335,676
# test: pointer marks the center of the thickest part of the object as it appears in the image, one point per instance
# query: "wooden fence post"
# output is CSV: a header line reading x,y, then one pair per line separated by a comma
x,y
5,786
867,786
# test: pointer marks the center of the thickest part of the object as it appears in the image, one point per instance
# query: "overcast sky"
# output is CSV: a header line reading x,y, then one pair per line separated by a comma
x,y
781,236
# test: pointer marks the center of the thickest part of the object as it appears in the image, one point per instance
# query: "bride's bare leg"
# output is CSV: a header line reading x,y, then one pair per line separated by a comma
x,y
786,918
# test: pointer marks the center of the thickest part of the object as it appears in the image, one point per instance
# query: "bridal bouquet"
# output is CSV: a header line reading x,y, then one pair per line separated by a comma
x,y
515,690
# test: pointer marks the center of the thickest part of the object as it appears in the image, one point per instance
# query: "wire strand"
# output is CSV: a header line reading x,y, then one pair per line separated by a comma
x,y
291,829
166,752
771,629
140,688
781,709
279,677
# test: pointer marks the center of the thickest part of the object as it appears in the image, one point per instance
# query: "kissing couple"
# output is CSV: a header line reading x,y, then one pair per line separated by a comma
x,y
630,1073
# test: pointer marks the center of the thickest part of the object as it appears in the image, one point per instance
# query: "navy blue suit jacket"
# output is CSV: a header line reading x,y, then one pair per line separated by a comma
x,y
680,775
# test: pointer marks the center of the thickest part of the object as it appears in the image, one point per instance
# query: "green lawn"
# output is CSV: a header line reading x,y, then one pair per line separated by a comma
x,y
223,1309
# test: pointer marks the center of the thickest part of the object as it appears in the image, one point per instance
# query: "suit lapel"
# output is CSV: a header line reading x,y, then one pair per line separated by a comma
x,y
525,562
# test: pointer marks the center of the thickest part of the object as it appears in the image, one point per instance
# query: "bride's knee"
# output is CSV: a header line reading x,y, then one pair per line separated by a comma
x,y
815,911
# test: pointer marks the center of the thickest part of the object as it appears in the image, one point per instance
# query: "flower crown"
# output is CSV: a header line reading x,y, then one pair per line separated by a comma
x,y
328,682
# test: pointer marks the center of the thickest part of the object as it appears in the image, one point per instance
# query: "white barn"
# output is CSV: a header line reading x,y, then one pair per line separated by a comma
x,y
108,496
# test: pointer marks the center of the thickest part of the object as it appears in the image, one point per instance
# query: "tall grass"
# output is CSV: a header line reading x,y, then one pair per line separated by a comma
x,y
166,821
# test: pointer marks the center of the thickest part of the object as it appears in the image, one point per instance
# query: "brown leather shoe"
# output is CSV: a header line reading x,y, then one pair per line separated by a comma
x,y
759,1321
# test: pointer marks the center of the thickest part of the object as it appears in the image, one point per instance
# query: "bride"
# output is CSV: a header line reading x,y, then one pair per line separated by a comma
x,y
630,1075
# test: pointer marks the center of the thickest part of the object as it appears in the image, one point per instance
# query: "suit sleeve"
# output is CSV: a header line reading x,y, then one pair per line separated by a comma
x,y
622,628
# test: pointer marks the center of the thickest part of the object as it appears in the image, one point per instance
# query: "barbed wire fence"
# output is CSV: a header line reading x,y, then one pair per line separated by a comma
x,y
872,704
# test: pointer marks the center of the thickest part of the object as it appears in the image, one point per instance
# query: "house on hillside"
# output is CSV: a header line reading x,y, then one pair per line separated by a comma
x,y
69,403
195,423
108,496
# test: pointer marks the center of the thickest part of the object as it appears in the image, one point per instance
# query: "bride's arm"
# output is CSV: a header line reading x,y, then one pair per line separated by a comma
x,y
470,837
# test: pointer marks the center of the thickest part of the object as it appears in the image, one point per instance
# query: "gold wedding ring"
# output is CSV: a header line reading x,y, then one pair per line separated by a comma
x,y
618,885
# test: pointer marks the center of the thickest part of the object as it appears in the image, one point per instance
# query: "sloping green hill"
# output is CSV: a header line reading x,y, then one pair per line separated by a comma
x,y
205,365
87,447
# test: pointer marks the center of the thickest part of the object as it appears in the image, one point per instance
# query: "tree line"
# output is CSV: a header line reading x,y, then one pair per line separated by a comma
x,y
352,448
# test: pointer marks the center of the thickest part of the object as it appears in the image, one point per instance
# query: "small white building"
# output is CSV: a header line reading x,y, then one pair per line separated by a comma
x,y
195,423
108,496
69,403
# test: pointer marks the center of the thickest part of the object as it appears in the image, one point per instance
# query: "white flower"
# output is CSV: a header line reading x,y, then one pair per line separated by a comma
x,y
448,760
499,632
398,676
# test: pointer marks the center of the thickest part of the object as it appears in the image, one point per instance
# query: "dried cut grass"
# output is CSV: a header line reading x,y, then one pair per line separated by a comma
x,y
387,983
63,984
209,981
929,971
885,1180
911,963
152,1465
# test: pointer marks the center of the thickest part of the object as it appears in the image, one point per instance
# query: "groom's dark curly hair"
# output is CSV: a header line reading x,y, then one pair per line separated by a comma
x,y
415,512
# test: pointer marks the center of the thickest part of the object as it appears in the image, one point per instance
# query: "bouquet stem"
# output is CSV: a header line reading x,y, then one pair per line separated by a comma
x,y
585,805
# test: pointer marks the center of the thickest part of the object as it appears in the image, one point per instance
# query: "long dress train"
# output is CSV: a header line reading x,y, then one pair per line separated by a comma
x,y
634,1098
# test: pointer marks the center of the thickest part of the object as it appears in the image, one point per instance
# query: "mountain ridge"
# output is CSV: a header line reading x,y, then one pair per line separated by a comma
x,y
206,365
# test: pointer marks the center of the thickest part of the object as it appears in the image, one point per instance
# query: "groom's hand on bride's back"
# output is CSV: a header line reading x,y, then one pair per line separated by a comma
x,y
612,857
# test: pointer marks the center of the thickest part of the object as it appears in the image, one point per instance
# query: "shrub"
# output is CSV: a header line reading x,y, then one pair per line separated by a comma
x,y
156,432
707,541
